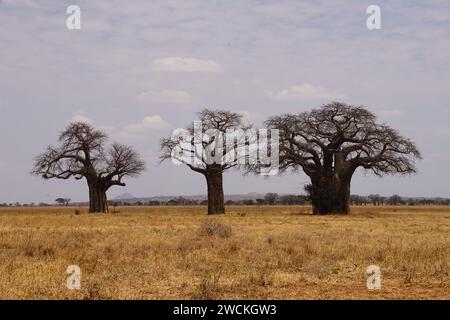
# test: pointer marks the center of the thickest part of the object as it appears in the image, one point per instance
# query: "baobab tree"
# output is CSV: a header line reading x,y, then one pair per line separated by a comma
x,y
331,142
202,148
82,154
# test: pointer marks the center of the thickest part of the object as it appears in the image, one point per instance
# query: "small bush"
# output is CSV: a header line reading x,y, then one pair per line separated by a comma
x,y
40,251
208,288
93,291
213,227
262,276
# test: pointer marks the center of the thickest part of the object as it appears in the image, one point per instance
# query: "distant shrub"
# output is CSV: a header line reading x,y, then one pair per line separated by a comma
x,y
208,288
213,227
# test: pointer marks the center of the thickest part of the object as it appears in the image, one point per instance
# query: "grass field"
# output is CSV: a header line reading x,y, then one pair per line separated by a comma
x,y
277,252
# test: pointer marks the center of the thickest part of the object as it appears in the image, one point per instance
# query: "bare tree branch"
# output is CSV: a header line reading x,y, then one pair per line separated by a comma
x,y
81,154
331,142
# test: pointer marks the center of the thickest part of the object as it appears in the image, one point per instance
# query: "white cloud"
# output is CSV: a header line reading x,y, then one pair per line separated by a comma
x,y
80,116
247,82
306,92
149,123
131,132
178,64
251,116
166,96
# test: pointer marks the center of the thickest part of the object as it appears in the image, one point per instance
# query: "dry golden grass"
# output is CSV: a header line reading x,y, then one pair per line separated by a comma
x,y
249,253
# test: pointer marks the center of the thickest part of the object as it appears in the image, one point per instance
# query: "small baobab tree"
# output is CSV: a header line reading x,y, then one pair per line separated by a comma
x,y
395,200
208,146
331,142
82,154
375,199
271,198
63,201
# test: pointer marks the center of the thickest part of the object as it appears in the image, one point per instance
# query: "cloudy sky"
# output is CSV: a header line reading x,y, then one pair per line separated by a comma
x,y
142,68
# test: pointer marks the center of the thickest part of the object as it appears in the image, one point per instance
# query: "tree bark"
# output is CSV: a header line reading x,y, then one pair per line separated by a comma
x,y
331,195
214,181
97,198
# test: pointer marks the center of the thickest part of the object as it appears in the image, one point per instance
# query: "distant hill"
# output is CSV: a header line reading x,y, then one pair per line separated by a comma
x,y
129,198
124,196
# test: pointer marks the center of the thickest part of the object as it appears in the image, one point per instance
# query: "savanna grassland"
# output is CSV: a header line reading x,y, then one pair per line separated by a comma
x,y
268,252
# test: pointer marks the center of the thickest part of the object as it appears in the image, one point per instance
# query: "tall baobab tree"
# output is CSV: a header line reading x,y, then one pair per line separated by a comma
x,y
82,154
331,142
202,148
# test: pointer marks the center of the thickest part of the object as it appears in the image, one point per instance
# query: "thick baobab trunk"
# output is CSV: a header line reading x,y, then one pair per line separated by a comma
x,y
214,180
331,196
97,198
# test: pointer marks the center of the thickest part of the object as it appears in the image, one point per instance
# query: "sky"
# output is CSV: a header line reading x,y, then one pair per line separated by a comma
x,y
139,69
